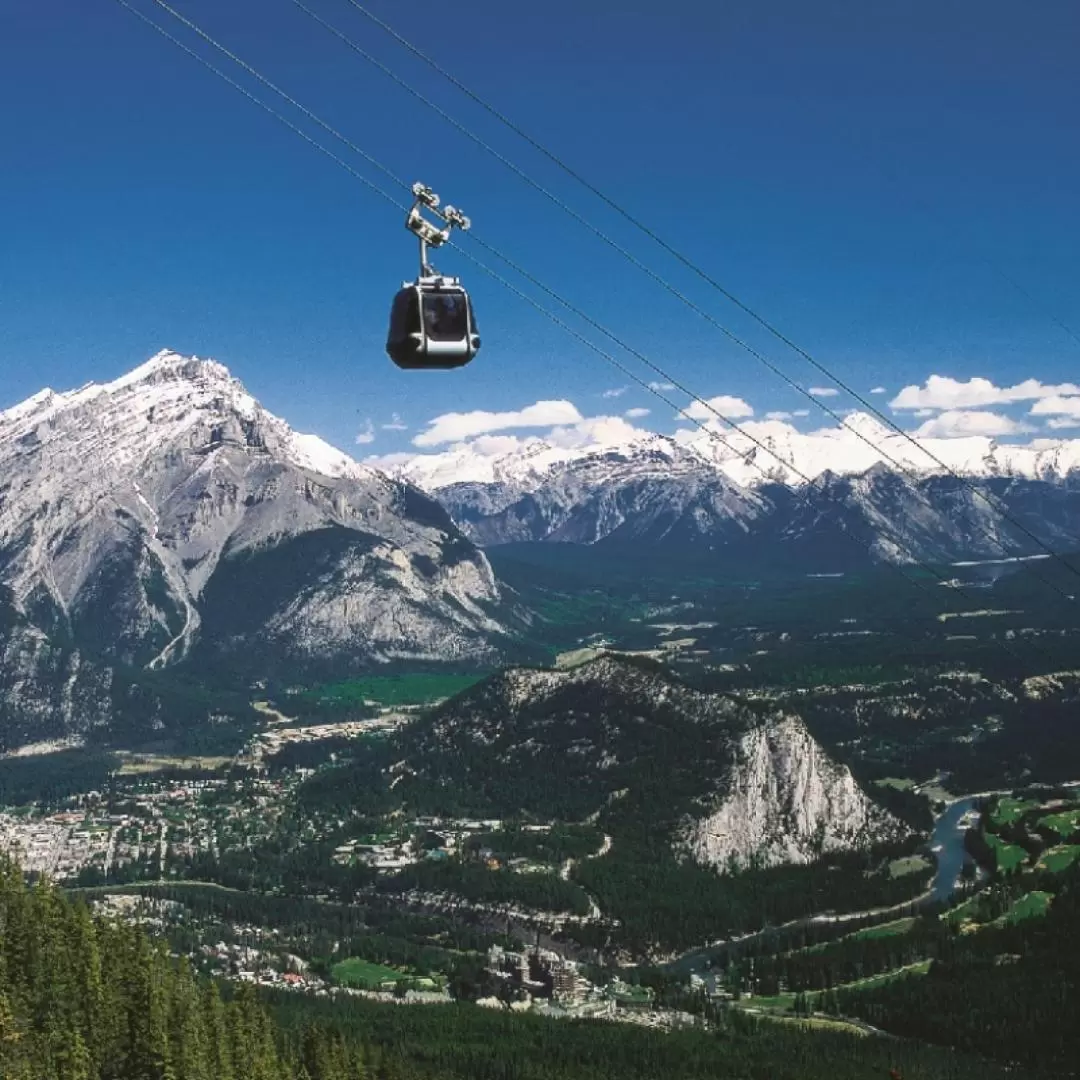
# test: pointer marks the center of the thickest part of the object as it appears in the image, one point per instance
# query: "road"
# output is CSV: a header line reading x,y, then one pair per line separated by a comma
x,y
567,868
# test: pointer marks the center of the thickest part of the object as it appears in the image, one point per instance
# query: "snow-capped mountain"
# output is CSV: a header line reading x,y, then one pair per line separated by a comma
x,y
167,511
652,491
785,455
695,493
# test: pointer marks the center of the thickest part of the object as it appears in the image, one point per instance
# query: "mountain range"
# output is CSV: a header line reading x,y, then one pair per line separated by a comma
x,y
166,521
776,452
678,496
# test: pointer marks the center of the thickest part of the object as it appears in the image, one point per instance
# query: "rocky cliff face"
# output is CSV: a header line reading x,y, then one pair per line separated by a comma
x,y
46,691
785,801
168,513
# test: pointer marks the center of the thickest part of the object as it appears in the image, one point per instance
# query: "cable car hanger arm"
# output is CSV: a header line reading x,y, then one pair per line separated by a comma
x,y
429,234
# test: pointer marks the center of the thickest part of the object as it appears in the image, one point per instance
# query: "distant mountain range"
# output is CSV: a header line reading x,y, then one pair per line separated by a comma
x,y
675,496
784,455
167,521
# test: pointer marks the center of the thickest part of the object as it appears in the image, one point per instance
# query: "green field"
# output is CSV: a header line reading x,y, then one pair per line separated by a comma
x,y
787,1001
363,974
1009,810
1008,855
969,909
1032,905
1064,823
912,864
818,1023
639,995
890,929
874,981
1059,858
900,783
394,689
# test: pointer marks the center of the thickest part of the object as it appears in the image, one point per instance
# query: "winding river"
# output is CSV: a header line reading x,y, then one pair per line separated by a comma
x,y
947,844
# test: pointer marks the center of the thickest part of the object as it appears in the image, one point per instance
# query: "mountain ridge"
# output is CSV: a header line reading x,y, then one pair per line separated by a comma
x,y
132,510
729,785
785,455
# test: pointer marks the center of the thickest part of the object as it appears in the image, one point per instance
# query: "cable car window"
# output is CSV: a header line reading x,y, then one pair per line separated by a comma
x,y
446,316
404,315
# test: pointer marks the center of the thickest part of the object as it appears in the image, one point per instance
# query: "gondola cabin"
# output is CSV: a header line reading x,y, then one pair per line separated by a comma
x,y
432,325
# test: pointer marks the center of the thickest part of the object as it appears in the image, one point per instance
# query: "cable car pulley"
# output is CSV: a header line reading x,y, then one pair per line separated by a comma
x,y
432,323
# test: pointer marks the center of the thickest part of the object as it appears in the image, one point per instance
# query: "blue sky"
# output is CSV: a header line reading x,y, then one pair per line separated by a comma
x,y
843,167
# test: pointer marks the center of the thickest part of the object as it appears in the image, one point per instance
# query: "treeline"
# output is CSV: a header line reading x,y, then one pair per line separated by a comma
x,y
376,930
538,891
281,864
81,999
310,755
553,846
678,904
50,778
848,959
1008,990
469,1043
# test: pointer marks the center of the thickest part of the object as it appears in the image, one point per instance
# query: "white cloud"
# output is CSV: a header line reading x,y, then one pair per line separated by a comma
x,y
956,423
395,424
661,386
616,391
1057,406
879,390
942,392
494,445
920,413
367,435
454,427
731,407
594,431
478,441
823,391
388,462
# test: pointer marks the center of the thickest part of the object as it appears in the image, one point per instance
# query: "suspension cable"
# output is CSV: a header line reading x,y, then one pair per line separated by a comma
x,y
841,422
513,265
990,500
551,316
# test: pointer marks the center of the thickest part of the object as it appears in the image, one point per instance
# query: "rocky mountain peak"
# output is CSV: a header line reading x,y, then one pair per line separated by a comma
x,y
132,511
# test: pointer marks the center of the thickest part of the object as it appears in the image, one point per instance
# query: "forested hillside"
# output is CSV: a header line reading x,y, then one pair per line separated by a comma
x,y
82,999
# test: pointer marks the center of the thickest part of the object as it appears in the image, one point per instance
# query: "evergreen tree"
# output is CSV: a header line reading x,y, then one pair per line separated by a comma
x,y
219,1052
